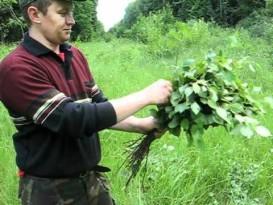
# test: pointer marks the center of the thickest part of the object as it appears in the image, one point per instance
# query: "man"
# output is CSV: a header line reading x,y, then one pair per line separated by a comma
x,y
58,111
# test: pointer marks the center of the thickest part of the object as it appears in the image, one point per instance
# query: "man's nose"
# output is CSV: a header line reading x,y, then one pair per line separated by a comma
x,y
70,19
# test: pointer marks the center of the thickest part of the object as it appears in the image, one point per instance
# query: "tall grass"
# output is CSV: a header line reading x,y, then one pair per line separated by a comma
x,y
226,170
8,172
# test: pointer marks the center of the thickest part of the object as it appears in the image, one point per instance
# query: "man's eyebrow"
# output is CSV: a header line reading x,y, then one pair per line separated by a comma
x,y
67,10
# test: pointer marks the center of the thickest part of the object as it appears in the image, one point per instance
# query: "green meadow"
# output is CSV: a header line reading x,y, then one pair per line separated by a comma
x,y
224,170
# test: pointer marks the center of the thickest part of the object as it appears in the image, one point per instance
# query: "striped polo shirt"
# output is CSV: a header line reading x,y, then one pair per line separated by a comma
x,y
56,107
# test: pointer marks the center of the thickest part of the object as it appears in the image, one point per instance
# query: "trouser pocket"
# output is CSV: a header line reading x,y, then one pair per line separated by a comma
x,y
98,189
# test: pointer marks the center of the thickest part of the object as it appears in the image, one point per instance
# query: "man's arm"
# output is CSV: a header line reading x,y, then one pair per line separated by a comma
x,y
135,124
157,93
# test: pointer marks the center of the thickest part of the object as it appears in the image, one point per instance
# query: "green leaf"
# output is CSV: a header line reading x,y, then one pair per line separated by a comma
x,y
175,98
201,68
213,94
185,124
204,100
195,108
181,107
246,131
212,104
262,131
168,109
246,119
190,74
188,63
227,77
174,123
221,112
228,99
196,88
188,91
236,107
171,114
204,89
212,68
203,94
181,90
200,119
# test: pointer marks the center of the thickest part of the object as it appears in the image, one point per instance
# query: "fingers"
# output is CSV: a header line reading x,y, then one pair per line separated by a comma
x,y
159,133
161,91
158,130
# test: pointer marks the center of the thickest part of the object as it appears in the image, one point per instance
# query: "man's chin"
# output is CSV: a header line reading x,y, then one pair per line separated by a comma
x,y
66,38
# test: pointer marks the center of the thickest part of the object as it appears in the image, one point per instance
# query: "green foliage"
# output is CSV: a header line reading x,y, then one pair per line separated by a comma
x,y
260,24
241,181
166,37
183,35
87,25
208,94
223,12
148,29
5,3
11,23
152,31
8,177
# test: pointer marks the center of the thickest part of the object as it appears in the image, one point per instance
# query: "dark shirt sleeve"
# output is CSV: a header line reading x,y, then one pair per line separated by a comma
x,y
81,119
28,92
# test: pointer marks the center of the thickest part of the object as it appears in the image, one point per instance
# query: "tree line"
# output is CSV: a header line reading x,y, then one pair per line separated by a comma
x,y
222,12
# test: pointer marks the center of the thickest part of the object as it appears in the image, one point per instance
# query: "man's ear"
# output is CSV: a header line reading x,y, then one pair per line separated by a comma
x,y
34,14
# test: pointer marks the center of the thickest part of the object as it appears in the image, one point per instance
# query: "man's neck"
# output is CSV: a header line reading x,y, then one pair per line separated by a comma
x,y
36,35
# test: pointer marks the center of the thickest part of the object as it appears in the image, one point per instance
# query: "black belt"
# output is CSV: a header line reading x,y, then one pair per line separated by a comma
x,y
97,168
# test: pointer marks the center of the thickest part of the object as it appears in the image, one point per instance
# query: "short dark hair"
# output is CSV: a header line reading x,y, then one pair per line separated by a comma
x,y
41,5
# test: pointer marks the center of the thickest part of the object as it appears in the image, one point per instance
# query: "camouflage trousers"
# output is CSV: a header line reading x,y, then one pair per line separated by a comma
x,y
90,189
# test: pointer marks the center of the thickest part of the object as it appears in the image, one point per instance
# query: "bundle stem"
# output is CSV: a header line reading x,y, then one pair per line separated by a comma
x,y
140,150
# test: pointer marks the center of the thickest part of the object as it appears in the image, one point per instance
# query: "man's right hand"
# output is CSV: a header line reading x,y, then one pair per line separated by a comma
x,y
158,93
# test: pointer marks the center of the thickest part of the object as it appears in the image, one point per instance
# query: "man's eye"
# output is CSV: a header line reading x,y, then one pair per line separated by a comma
x,y
66,14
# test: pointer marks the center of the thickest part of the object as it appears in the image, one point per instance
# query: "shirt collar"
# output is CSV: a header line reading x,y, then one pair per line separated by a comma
x,y
38,49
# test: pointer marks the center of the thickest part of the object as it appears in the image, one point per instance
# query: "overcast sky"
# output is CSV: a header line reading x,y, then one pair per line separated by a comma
x,y
110,12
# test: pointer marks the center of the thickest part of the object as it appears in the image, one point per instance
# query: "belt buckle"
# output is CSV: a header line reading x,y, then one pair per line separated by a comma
x,y
84,174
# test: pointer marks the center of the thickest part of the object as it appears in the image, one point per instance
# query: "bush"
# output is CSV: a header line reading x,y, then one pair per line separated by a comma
x,y
11,23
259,24
166,37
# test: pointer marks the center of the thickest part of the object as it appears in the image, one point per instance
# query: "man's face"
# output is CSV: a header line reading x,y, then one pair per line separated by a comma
x,y
57,23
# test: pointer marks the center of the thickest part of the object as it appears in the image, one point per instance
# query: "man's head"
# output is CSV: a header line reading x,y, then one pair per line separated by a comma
x,y
24,3
41,5
50,20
